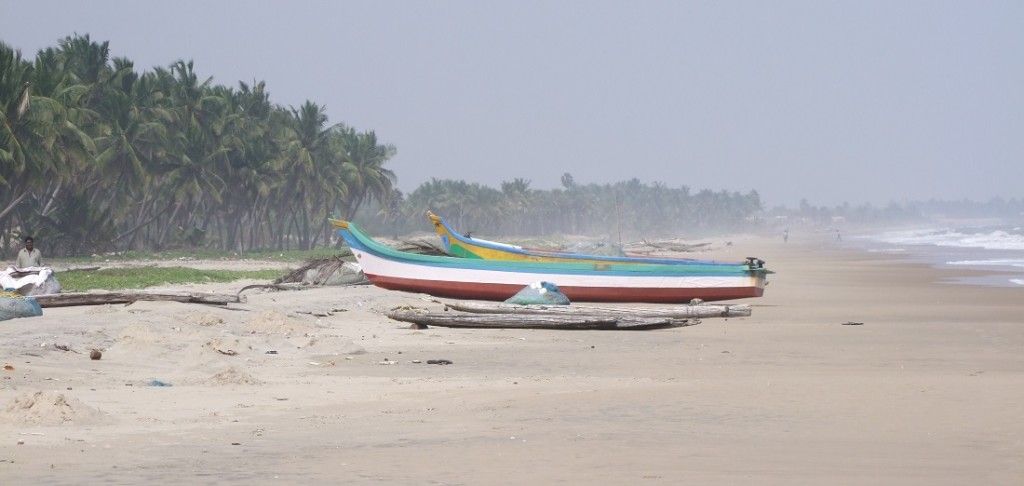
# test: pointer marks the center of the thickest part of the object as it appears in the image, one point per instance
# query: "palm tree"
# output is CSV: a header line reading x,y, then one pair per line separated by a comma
x,y
363,173
516,202
137,134
249,172
187,172
312,177
41,139
14,104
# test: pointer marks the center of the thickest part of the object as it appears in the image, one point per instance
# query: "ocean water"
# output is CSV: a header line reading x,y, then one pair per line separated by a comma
x,y
996,249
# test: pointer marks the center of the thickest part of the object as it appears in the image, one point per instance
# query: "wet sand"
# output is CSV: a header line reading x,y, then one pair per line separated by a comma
x,y
926,391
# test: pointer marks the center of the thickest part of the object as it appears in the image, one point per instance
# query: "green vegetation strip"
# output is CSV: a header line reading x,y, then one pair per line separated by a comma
x,y
290,256
141,278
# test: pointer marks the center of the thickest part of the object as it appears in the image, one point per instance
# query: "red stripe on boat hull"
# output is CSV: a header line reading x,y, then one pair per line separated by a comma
x,y
478,291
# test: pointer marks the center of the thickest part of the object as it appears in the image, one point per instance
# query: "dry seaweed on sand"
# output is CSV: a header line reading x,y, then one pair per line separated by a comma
x,y
324,271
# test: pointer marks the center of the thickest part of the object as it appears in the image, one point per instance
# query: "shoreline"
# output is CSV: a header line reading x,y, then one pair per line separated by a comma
x,y
923,391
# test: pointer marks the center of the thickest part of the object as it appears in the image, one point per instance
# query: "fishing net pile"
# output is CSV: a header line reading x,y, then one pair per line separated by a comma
x,y
539,293
14,305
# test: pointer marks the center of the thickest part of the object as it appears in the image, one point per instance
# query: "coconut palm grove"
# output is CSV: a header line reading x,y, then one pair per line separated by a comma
x,y
96,156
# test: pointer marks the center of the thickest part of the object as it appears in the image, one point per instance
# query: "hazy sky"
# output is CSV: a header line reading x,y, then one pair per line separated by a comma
x,y
832,101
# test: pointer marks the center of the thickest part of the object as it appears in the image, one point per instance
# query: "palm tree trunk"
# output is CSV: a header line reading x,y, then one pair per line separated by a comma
x,y
13,204
164,228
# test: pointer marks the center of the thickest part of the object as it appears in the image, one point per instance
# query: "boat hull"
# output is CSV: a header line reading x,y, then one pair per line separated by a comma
x,y
501,292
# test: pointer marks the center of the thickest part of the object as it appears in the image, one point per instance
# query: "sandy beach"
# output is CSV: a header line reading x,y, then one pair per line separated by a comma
x,y
319,387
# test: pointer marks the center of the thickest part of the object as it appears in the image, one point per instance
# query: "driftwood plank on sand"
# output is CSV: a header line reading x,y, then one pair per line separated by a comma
x,y
99,298
539,321
701,311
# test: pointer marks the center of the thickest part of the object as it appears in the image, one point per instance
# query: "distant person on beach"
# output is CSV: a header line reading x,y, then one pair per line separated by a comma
x,y
838,236
29,256
785,235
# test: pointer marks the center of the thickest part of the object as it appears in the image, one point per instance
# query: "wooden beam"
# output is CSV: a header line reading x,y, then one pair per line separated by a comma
x,y
99,298
519,321
701,311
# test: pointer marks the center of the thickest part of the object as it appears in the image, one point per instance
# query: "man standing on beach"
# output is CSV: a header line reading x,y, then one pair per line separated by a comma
x,y
29,256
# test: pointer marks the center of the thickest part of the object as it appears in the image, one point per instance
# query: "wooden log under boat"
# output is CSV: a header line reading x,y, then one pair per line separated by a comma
x,y
99,298
701,311
537,321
